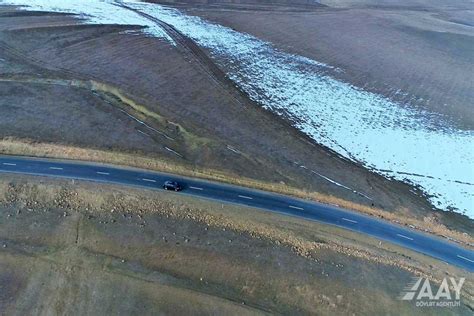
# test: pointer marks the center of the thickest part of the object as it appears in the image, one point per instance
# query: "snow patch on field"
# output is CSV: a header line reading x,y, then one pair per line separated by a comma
x,y
93,12
392,139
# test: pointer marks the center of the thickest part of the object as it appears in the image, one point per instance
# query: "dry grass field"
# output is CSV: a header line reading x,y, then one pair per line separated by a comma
x,y
97,249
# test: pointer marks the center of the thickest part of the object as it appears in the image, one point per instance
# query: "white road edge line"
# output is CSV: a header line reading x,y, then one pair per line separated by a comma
x,y
9,164
196,188
56,168
406,237
465,258
296,207
349,220
104,173
149,180
245,197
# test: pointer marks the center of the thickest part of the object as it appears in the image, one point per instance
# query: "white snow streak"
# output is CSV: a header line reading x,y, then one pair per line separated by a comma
x,y
94,12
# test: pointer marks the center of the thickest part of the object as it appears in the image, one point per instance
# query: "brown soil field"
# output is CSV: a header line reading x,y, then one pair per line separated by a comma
x,y
424,49
93,87
96,249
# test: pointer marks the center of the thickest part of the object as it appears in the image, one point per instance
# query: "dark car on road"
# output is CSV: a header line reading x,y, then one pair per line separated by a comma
x,y
172,185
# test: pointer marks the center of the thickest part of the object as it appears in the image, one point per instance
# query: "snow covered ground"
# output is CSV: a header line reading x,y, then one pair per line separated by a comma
x,y
93,12
393,139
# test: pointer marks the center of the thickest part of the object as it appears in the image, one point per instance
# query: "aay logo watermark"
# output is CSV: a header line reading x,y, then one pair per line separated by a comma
x,y
421,291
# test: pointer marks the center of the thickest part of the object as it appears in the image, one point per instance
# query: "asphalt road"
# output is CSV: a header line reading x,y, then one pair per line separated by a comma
x,y
429,245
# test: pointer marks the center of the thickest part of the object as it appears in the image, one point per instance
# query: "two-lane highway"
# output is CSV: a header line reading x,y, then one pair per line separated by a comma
x,y
408,238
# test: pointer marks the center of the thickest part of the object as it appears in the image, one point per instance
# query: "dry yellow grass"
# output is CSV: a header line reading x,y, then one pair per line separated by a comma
x,y
12,146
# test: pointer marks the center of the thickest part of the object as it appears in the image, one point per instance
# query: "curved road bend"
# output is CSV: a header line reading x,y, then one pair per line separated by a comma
x,y
408,238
